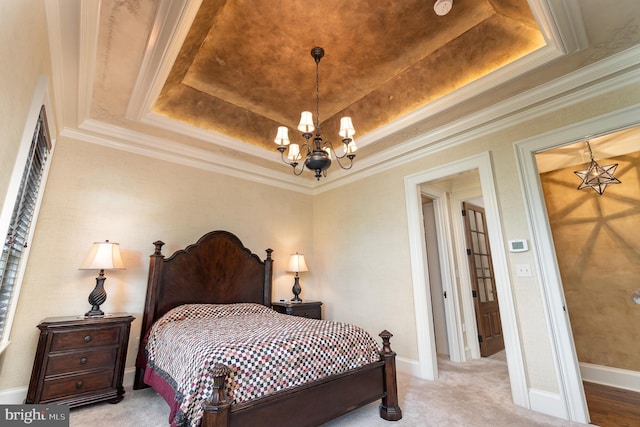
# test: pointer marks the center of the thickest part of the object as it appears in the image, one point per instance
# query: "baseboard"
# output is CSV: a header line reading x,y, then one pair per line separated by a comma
x,y
614,377
13,396
17,396
547,403
408,366
127,379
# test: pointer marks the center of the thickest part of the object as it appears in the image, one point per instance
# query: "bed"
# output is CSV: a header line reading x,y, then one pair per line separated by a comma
x,y
218,274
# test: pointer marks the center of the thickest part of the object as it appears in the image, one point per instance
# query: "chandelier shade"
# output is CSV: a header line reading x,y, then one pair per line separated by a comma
x,y
316,154
306,122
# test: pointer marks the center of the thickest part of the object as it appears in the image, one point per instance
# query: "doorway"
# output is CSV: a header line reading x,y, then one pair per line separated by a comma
x,y
427,354
470,290
570,384
598,259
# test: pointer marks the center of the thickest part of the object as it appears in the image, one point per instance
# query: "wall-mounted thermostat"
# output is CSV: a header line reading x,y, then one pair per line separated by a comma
x,y
518,245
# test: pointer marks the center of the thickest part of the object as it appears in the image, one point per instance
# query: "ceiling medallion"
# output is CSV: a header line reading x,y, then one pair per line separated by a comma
x,y
317,154
596,176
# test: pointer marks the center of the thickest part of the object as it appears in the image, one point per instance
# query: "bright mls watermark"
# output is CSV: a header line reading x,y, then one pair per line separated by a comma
x,y
34,415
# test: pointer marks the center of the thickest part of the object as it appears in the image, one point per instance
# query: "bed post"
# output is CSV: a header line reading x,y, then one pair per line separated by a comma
x,y
217,410
155,272
268,277
389,408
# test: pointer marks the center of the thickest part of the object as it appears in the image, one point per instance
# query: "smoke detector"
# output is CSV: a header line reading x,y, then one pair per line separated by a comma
x,y
442,7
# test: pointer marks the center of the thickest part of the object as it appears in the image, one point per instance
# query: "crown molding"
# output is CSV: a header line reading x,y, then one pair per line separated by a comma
x,y
223,142
170,28
119,138
89,25
54,30
561,24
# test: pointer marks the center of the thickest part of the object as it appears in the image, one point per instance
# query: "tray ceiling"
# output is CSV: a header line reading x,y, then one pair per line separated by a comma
x,y
207,82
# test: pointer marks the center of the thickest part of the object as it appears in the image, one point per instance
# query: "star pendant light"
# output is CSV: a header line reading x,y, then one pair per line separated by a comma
x,y
596,176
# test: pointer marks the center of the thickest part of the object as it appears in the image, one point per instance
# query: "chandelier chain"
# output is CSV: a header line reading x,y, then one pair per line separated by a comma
x,y
317,97
589,148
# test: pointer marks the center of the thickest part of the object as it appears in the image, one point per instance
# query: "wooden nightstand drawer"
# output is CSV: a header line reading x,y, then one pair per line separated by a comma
x,y
308,309
72,385
311,313
69,340
81,361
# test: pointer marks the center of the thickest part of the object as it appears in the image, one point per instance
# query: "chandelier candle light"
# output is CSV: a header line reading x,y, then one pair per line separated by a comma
x,y
317,154
102,256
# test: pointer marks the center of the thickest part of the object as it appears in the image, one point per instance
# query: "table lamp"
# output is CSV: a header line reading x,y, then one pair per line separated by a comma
x,y
297,265
102,256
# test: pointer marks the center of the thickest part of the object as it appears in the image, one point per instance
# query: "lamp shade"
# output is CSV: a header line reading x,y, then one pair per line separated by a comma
x,y
346,128
351,147
282,138
306,122
297,263
103,256
294,152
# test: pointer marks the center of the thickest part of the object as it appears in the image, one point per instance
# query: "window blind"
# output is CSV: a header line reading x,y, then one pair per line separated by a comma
x,y
23,211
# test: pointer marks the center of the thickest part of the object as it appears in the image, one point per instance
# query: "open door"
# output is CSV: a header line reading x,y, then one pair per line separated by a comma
x,y
483,284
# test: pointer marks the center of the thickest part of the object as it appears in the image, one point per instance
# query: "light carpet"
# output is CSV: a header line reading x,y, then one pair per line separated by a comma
x,y
469,394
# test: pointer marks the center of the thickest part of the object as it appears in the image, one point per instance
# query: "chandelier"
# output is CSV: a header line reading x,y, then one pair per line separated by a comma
x,y
595,176
316,155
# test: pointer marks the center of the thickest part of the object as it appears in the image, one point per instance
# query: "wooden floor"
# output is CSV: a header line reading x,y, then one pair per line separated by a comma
x,y
612,407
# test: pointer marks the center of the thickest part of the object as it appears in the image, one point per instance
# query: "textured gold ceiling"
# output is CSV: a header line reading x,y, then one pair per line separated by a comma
x,y
245,67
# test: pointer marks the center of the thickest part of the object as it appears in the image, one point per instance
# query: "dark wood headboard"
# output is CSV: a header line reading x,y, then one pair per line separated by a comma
x,y
217,269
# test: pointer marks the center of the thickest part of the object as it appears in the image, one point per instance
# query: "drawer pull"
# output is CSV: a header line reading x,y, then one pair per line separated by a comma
x,y
87,338
79,384
83,361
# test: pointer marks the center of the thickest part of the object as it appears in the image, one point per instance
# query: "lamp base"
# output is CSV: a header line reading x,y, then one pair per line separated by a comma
x,y
97,297
94,312
296,290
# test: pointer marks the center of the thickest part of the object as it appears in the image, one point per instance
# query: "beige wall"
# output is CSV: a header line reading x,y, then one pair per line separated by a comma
x,y
96,193
24,51
597,242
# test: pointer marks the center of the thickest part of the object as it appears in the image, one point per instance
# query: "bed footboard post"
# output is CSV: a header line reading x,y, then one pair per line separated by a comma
x,y
217,411
389,408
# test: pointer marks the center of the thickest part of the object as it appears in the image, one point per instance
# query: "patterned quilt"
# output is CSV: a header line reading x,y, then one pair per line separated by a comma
x,y
266,352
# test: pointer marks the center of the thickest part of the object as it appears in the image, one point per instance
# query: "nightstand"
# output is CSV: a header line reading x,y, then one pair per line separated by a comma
x,y
310,309
80,360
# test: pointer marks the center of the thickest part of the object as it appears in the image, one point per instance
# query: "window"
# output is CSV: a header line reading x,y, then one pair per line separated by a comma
x,y
24,209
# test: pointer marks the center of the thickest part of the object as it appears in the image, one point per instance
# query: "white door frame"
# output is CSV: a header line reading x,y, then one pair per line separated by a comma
x,y
570,381
427,359
441,209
